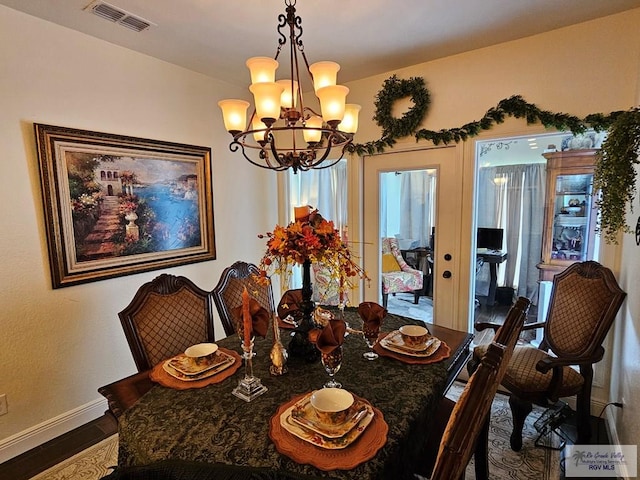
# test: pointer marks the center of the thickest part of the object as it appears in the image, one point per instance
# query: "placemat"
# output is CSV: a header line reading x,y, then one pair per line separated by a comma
x,y
441,354
159,375
363,449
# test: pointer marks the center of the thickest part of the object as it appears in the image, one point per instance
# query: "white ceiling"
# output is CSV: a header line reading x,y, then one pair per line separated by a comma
x,y
367,37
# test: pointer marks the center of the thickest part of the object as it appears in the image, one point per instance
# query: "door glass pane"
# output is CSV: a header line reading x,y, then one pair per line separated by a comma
x,y
407,223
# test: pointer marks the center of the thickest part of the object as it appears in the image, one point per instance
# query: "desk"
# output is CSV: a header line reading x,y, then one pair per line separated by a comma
x,y
211,425
493,258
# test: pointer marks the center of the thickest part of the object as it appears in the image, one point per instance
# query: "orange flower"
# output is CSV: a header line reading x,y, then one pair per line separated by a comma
x,y
311,238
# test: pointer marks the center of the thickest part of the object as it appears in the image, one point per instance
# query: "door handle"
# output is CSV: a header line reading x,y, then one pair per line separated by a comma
x,y
446,274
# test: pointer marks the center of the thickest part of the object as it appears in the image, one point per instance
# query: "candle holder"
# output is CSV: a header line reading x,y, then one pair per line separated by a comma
x,y
248,387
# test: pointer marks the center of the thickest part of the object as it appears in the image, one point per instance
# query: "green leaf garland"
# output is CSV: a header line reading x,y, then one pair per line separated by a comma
x,y
614,175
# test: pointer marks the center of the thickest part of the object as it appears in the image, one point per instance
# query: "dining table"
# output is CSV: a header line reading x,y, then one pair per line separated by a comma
x,y
207,423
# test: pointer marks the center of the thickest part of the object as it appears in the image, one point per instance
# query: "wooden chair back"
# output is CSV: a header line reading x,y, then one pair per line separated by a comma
x,y
166,315
227,294
471,411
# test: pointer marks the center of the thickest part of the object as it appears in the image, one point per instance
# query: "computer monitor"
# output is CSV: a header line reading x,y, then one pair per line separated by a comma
x,y
490,238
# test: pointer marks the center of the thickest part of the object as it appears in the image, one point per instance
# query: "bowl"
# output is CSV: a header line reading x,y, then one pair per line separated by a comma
x,y
201,353
414,335
331,405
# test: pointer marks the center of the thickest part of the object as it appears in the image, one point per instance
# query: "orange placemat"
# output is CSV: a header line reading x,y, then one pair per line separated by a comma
x,y
364,448
442,353
159,375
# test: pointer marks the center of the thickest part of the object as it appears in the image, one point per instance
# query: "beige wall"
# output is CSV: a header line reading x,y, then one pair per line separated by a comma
x,y
58,346
587,68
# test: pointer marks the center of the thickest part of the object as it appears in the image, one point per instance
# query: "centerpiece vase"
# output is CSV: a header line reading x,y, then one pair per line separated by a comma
x,y
300,345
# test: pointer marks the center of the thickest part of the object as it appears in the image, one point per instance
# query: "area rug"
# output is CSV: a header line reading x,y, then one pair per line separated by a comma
x,y
90,464
530,463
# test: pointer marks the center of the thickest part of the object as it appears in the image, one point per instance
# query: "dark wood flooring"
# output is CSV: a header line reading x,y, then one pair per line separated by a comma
x,y
45,456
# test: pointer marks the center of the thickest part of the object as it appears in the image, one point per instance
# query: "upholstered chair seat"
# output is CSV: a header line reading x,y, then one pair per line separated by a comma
x,y
584,302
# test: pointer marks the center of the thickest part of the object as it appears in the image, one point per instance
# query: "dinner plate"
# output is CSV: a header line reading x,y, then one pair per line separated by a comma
x,y
394,343
184,365
310,436
227,361
303,414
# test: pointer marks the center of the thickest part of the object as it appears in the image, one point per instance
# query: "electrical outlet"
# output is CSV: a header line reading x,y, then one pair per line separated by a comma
x,y
3,404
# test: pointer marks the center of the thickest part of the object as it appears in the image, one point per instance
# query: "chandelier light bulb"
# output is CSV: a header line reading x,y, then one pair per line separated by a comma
x,y
267,96
289,94
324,74
258,125
263,69
349,123
310,135
332,103
234,114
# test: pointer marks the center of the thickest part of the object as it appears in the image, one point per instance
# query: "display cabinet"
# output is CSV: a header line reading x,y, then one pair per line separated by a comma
x,y
570,211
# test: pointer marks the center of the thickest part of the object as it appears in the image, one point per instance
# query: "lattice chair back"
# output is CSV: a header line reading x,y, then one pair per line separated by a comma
x,y
584,302
227,294
166,315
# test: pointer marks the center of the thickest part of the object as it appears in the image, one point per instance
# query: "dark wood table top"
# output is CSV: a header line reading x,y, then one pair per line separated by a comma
x,y
211,425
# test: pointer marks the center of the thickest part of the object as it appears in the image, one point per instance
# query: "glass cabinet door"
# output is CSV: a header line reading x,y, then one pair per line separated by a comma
x,y
571,237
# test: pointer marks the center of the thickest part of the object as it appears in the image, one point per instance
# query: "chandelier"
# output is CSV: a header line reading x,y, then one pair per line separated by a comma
x,y
282,131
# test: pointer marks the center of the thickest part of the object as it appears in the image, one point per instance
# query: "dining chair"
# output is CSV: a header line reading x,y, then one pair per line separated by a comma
x,y
227,294
166,315
585,299
467,428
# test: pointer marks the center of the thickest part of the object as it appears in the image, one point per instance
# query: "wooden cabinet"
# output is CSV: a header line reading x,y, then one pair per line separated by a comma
x,y
570,211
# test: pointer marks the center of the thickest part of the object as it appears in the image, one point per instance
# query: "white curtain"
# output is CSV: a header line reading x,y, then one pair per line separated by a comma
x,y
324,189
512,197
417,206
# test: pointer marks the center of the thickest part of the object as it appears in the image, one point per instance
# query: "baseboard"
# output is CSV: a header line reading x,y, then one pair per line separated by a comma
x,y
612,431
35,436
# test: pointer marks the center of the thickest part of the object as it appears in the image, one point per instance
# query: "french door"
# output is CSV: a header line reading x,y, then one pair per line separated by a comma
x,y
444,164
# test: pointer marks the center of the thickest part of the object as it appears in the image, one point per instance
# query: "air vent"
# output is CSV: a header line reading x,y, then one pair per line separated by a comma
x,y
118,15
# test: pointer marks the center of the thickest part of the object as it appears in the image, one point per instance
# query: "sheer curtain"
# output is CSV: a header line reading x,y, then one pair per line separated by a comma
x,y
417,205
512,197
324,189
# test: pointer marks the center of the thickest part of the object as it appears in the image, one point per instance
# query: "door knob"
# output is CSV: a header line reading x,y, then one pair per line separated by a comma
x,y
446,274
447,257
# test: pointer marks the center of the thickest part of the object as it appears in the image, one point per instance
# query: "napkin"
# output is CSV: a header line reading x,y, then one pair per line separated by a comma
x,y
331,336
259,317
372,315
290,304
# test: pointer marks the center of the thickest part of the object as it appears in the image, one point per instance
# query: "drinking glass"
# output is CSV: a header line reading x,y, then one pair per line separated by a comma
x,y
371,334
332,362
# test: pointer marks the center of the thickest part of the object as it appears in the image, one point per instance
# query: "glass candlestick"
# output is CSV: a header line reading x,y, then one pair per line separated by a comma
x,y
248,387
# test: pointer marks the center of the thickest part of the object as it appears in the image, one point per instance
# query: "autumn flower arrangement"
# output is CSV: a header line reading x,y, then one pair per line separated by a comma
x,y
310,238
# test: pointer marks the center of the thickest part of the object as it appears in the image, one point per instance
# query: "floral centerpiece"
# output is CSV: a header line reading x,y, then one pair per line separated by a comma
x,y
310,238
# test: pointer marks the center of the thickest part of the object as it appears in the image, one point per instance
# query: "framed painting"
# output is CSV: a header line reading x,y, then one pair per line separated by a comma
x,y
117,205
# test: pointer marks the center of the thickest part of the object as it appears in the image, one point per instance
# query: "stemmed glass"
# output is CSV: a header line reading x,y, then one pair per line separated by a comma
x,y
331,362
371,333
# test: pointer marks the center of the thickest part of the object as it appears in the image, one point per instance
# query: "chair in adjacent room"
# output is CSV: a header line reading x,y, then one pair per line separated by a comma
x,y
466,431
227,294
584,301
166,315
397,275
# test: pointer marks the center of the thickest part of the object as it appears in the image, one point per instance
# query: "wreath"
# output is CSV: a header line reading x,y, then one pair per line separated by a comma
x,y
395,89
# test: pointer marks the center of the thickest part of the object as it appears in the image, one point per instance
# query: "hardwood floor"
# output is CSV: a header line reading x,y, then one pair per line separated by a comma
x,y
30,463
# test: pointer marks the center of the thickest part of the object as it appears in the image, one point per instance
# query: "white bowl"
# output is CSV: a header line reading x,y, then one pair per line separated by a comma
x,y
414,335
201,352
331,405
